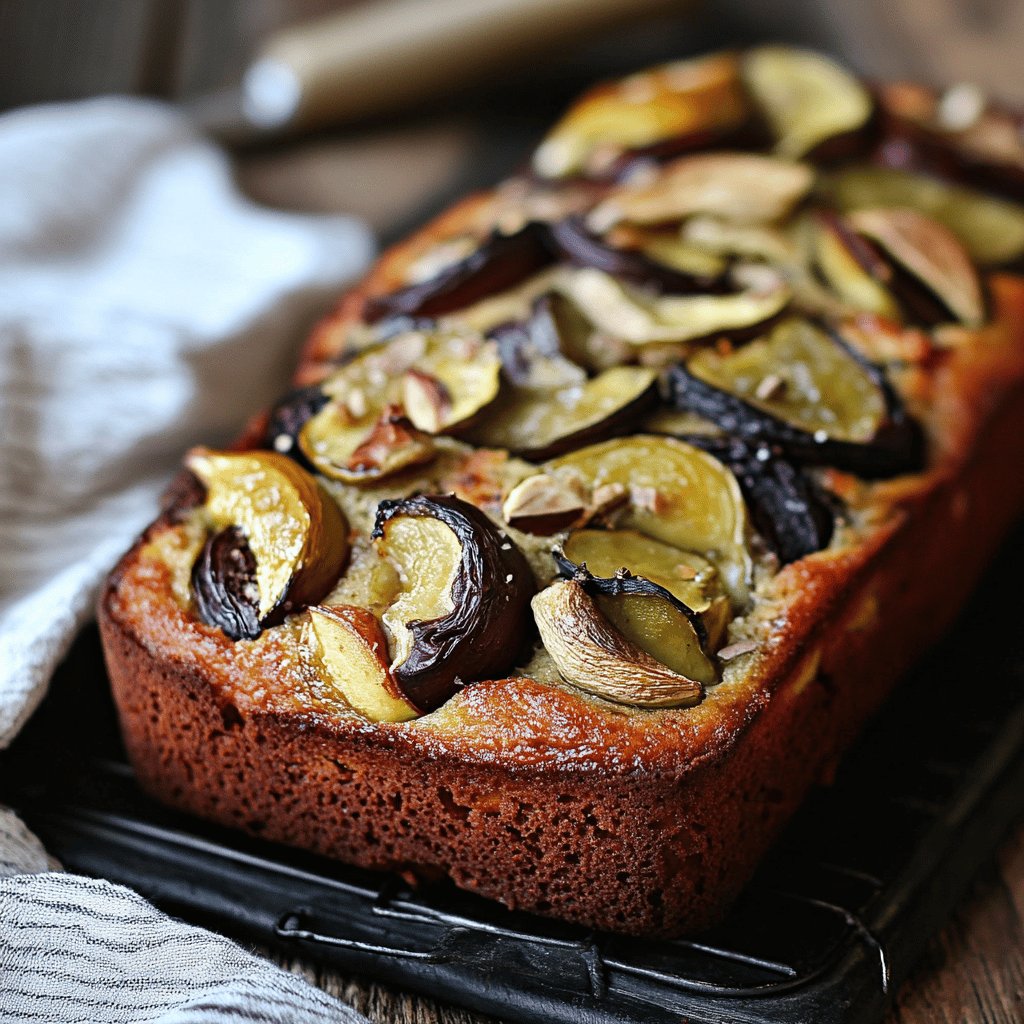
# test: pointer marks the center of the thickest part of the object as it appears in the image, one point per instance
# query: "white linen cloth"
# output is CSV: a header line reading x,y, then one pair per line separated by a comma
x,y
144,305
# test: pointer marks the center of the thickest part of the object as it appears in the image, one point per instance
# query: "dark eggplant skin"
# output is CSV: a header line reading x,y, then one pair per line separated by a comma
x,y
624,583
491,623
288,417
500,262
905,145
788,510
224,587
576,244
503,261
898,446
521,341
184,493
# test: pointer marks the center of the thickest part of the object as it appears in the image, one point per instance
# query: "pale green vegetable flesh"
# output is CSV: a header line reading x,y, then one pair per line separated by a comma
x,y
531,419
991,229
807,98
640,319
800,375
294,529
427,555
662,630
678,494
684,574
847,278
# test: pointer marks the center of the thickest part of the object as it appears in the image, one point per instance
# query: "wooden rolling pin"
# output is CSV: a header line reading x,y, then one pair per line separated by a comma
x,y
380,56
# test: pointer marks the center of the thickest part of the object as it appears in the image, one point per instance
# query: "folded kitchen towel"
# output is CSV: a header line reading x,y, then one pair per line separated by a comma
x,y
144,305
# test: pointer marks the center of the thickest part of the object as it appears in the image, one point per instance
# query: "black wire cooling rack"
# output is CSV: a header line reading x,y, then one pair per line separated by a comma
x,y
826,931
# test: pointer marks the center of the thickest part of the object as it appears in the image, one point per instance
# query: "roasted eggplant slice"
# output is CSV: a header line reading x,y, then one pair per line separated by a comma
x,y
959,135
931,254
815,108
788,510
582,248
689,103
293,529
850,266
463,610
674,493
289,416
596,655
540,423
388,402
992,230
688,577
353,650
500,262
531,350
741,188
366,448
864,428
640,319
224,587
798,373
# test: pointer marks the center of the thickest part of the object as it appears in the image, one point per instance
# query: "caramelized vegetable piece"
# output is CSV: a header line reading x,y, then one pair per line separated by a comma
x,y
687,576
388,401
581,247
642,320
289,416
540,423
354,653
224,586
593,654
531,351
500,262
442,377
931,253
742,188
676,494
896,446
992,230
451,383
958,134
294,530
801,375
462,613
694,103
851,267
363,449
809,100
787,509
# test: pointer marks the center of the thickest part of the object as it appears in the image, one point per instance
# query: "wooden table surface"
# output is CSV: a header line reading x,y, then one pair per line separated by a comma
x,y
973,972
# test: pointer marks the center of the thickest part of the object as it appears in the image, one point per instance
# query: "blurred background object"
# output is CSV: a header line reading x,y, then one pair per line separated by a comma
x,y
182,49
446,95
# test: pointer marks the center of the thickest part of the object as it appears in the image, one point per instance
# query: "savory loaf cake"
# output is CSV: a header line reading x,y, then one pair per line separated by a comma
x,y
607,508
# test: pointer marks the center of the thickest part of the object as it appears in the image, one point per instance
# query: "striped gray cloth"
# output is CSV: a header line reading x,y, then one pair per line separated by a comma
x,y
144,305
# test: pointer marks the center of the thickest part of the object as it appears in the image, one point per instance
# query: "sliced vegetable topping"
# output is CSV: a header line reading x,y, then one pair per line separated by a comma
x,y
809,101
690,103
742,188
280,542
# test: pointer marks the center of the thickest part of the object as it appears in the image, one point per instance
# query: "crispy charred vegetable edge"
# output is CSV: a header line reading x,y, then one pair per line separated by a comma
x,y
624,583
223,585
791,513
898,445
490,623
